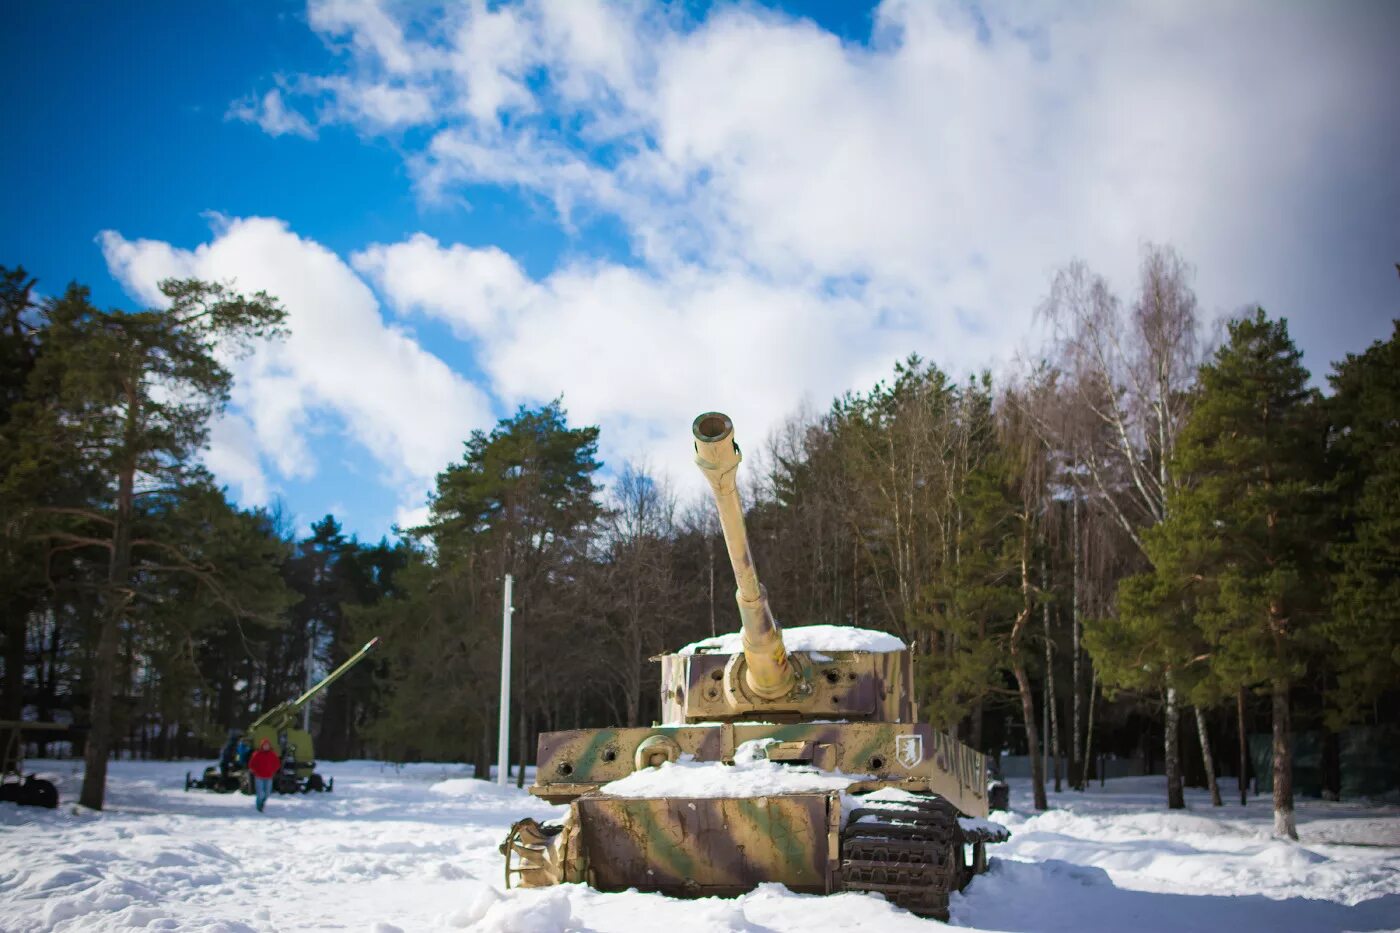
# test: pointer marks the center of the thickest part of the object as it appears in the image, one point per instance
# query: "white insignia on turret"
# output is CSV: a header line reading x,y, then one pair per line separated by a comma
x,y
909,749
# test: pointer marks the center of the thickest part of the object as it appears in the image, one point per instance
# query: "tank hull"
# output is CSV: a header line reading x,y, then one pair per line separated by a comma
x,y
818,842
916,755
915,852
710,846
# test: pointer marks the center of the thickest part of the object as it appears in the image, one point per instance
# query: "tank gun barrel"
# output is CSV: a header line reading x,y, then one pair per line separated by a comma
x,y
289,709
769,673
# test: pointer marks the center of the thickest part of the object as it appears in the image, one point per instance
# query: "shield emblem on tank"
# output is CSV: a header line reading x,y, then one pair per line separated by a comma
x,y
909,749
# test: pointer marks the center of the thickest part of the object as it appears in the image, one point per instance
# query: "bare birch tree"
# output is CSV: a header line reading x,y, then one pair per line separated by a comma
x,y
1128,374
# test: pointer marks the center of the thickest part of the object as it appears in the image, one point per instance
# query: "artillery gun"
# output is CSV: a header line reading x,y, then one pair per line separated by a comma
x,y
852,792
279,726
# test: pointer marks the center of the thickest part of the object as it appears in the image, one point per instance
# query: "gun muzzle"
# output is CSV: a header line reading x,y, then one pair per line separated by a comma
x,y
769,674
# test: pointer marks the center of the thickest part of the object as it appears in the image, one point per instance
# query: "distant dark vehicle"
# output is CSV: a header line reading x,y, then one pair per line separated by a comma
x,y
15,785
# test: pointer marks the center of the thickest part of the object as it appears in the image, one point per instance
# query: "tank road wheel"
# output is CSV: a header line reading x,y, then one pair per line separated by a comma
x,y
910,853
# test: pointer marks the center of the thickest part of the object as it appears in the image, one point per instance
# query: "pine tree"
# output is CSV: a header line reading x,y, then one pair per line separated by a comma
x,y
21,579
1240,543
126,398
522,501
1364,624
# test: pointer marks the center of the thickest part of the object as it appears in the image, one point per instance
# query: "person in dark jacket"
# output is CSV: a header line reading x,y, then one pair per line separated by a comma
x,y
228,755
263,764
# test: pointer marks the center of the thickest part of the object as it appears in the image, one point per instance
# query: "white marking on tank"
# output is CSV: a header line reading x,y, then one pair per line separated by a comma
x,y
909,749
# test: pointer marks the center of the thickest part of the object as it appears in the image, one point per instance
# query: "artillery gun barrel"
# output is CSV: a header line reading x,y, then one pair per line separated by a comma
x,y
292,707
718,456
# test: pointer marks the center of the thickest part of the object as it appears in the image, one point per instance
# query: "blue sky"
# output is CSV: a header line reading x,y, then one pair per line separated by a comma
x,y
122,123
657,210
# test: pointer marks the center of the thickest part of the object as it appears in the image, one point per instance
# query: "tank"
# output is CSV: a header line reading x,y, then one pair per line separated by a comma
x,y
790,757
279,726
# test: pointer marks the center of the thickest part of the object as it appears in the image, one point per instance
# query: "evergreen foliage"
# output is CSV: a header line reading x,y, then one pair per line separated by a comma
x,y
1236,579
1222,532
1363,628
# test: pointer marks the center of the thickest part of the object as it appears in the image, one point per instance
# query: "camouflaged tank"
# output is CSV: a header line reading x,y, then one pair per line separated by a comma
x,y
857,794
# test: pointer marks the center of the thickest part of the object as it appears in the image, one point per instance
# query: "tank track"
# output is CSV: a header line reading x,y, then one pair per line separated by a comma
x,y
910,853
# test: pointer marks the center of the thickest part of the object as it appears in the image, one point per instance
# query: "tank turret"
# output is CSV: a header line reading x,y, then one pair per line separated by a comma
x,y
792,756
760,678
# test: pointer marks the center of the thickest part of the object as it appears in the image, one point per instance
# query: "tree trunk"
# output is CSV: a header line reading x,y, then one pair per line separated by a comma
x,y
12,706
635,672
1052,707
104,668
1045,728
1018,667
1075,766
482,768
1207,758
1244,749
855,581
1023,683
45,697
710,555
16,625
99,737
1089,734
521,754
1331,766
1284,824
1176,800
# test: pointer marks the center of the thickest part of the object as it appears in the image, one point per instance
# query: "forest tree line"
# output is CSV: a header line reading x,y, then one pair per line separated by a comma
x,y
1141,530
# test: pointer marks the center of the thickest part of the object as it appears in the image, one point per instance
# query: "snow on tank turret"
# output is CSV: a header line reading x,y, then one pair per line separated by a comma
x,y
790,756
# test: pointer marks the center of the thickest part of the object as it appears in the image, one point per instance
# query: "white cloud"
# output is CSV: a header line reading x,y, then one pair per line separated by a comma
x,y
950,164
634,352
233,457
375,107
272,115
340,363
412,516
371,30
470,289
802,210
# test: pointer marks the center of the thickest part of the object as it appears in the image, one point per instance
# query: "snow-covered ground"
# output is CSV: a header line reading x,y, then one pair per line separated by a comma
x,y
415,849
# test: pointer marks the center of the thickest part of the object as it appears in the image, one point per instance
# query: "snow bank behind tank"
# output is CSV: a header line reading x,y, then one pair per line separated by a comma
x,y
806,638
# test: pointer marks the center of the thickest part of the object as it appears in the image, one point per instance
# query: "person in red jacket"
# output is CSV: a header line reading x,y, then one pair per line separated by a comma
x,y
263,765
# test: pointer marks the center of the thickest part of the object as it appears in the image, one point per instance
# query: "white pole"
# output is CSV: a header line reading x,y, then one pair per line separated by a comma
x,y
503,769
